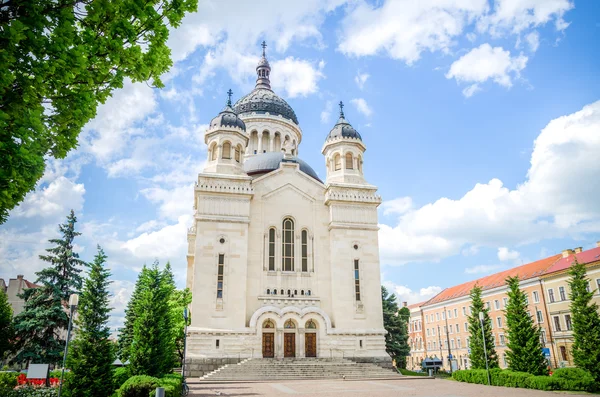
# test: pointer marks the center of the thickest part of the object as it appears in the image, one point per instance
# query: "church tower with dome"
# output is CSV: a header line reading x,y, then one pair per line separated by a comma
x,y
281,263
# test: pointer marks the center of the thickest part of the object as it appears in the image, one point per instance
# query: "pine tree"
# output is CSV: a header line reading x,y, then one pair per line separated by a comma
x,y
91,355
524,352
149,351
44,316
179,300
168,348
396,339
126,333
586,322
6,326
477,354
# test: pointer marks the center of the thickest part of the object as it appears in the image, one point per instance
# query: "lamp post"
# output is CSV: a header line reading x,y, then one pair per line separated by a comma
x,y
73,302
185,389
481,317
448,341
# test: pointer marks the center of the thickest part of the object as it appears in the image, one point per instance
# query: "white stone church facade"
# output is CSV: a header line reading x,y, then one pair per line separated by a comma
x,y
280,263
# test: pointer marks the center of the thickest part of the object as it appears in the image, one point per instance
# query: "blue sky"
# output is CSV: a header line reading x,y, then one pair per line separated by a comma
x,y
481,120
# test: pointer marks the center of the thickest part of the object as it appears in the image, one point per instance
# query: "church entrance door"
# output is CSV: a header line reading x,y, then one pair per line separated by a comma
x,y
268,345
310,344
289,345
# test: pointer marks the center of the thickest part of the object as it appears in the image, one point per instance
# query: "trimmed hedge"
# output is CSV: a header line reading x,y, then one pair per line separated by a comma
x,y
172,384
572,379
138,386
8,379
120,376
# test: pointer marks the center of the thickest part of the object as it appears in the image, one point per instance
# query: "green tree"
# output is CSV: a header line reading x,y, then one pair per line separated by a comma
x,y
126,333
151,351
396,325
44,315
476,338
60,59
91,355
586,322
6,326
524,352
179,300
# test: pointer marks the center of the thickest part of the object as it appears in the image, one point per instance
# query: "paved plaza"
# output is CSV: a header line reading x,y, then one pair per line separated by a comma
x,y
376,388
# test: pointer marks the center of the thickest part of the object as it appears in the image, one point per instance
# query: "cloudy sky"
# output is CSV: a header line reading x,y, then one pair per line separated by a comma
x,y
481,120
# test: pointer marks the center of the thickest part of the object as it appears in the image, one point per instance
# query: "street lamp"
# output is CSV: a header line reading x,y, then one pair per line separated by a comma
x,y
73,302
448,340
481,317
185,389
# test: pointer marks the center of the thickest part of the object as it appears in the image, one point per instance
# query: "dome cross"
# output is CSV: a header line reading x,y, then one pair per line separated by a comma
x,y
229,94
264,46
341,109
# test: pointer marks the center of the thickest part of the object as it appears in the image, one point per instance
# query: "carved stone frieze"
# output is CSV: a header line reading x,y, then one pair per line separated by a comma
x,y
354,214
352,194
223,206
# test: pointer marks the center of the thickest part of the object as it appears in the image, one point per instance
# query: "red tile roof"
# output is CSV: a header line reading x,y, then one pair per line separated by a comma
x,y
530,270
589,256
29,284
415,305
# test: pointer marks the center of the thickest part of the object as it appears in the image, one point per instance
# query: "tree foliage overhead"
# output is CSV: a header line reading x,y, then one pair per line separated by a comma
x,y
524,352
477,354
586,322
40,323
91,354
6,326
396,324
60,59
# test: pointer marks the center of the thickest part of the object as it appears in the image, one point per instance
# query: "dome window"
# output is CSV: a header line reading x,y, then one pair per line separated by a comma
x,y
226,150
349,161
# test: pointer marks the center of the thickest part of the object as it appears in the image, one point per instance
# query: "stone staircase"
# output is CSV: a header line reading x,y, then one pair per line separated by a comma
x,y
268,369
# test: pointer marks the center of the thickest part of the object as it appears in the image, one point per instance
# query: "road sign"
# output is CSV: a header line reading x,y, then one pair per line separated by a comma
x,y
450,356
546,352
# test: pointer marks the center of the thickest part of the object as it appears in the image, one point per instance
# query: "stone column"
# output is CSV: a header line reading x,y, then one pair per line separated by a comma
x,y
259,149
271,142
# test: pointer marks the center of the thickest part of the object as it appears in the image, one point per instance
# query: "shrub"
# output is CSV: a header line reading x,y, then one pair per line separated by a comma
x,y
575,379
138,386
8,379
172,385
32,392
120,375
411,373
510,378
544,383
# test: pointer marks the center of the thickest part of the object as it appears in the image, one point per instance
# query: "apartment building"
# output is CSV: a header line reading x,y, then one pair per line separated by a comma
x,y
416,338
444,318
15,287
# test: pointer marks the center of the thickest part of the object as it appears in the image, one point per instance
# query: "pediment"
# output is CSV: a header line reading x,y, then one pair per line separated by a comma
x,y
288,191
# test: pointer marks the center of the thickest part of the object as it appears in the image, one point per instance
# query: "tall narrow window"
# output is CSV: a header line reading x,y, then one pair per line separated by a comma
x,y
568,322
272,249
304,251
213,152
561,291
337,162
237,153
349,160
226,150
287,257
356,280
220,267
551,295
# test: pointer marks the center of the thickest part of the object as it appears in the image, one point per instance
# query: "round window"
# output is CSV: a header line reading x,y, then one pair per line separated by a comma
x,y
355,246
222,240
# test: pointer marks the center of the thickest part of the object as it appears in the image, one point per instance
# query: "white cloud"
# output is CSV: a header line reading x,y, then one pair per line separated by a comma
x,y
362,106
173,203
486,63
326,113
397,206
470,251
483,269
53,201
546,205
504,254
405,294
516,16
471,90
533,40
165,244
360,79
296,77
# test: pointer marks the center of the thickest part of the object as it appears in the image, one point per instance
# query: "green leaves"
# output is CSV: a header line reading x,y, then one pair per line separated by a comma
x,y
69,56
6,326
476,337
395,323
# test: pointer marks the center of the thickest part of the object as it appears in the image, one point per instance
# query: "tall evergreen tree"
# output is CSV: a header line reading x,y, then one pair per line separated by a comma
x,y
524,352
91,355
586,322
179,300
44,316
169,287
151,349
477,354
396,339
6,326
126,333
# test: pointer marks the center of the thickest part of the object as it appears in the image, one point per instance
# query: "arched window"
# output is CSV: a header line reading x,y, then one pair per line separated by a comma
x,y
281,292
226,150
310,324
272,249
268,291
268,324
213,152
238,150
301,292
349,160
274,292
304,251
287,256
308,292
289,324
337,162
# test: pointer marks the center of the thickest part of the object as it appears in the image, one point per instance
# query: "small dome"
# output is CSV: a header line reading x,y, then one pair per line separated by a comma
x,y
264,163
263,100
343,128
263,62
228,118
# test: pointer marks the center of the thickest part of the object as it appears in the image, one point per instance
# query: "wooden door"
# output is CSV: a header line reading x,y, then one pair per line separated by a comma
x,y
289,345
311,344
268,345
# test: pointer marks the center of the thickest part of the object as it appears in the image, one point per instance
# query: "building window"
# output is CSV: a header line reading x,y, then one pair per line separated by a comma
x,y
501,340
220,268
568,322
287,258
433,331
428,345
598,284
488,306
464,311
458,342
437,316
337,162
444,315
551,295
526,298
268,291
428,332
557,323
504,302
237,154
536,297
272,249
540,316
226,150
310,325
349,164
466,327
213,152
289,324
543,336
217,343
497,304
561,292
434,345
304,251
499,321
457,329
452,343
455,313
356,280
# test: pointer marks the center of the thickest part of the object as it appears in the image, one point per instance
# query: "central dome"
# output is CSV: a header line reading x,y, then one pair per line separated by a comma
x,y
266,162
264,100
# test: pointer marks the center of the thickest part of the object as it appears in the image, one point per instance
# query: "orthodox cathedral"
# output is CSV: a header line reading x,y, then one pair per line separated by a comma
x,y
280,263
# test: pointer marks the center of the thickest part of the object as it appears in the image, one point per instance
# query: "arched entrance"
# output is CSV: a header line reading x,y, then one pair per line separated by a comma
x,y
289,339
310,338
268,339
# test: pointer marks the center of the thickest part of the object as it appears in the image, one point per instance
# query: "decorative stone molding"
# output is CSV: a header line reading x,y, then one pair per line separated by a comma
x,y
353,195
353,214
221,185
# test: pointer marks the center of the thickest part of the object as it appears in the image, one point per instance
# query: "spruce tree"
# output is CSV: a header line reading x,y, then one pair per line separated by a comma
x,y
477,354
178,302
524,352
126,333
6,326
168,349
396,339
586,322
44,316
91,355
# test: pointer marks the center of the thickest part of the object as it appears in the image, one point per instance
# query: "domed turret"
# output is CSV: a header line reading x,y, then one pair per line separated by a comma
x,y
343,150
228,117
